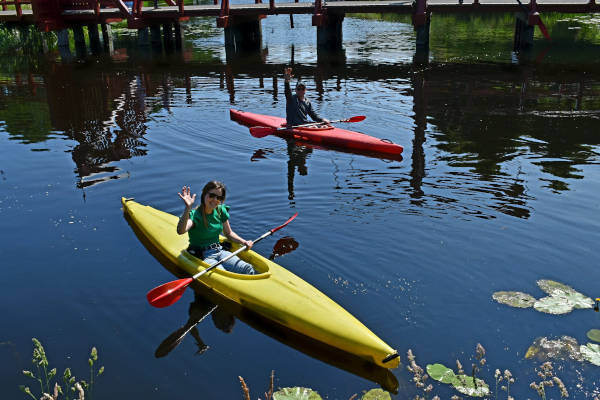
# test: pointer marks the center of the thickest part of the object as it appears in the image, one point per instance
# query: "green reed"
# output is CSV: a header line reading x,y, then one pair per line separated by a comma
x,y
46,377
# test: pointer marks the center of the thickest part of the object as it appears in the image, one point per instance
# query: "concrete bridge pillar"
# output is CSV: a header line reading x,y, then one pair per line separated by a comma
x,y
243,34
329,32
523,33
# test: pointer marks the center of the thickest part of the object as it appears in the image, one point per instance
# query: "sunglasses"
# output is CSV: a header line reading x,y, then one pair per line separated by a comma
x,y
214,195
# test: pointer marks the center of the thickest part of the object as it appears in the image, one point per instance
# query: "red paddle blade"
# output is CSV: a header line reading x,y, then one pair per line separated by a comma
x,y
168,293
261,131
543,29
356,118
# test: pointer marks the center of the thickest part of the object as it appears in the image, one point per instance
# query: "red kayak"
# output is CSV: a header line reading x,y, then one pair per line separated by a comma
x,y
327,136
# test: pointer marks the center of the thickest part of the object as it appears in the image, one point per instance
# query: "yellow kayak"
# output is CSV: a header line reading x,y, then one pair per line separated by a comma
x,y
274,293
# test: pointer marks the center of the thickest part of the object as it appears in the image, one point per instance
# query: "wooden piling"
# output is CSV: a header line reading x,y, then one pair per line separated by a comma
x,y
107,39
94,38
329,32
80,48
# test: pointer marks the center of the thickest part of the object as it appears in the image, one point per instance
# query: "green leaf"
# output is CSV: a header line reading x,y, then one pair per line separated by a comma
x,y
553,305
514,299
591,352
551,287
594,334
466,385
101,370
376,394
441,373
296,393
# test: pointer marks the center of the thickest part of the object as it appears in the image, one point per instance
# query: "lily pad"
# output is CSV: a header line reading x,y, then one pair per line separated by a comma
x,y
514,299
441,373
545,349
560,290
594,334
553,305
551,287
376,394
296,393
475,388
464,384
591,352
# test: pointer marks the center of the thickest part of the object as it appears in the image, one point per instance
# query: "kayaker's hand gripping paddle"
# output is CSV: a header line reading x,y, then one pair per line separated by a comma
x,y
262,131
168,293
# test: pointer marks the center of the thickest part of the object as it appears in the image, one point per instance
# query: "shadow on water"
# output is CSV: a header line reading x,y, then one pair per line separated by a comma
x,y
224,312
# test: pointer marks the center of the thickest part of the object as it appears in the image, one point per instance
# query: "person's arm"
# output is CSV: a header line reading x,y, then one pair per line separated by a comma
x,y
315,117
185,223
231,235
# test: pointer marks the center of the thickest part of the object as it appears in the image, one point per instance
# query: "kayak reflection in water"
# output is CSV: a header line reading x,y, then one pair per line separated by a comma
x,y
199,309
298,108
204,223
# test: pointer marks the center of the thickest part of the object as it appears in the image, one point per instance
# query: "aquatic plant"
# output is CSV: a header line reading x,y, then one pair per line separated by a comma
x,y
591,353
565,347
419,377
548,379
514,299
594,334
303,393
561,298
45,377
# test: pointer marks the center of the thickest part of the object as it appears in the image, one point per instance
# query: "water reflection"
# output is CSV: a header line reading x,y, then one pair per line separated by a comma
x,y
459,111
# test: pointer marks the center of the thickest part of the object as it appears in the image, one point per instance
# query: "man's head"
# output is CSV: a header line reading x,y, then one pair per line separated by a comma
x,y
300,90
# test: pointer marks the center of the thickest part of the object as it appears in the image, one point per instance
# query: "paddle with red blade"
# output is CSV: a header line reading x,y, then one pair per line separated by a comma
x,y
262,131
540,24
168,293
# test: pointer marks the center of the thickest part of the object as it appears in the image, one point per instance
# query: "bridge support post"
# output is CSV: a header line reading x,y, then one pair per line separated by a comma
x,y
94,38
168,35
523,33
63,44
329,32
79,37
422,32
155,37
107,39
143,37
63,38
179,35
243,34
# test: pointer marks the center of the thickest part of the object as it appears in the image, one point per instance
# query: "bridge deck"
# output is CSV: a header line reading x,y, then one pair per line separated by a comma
x,y
361,6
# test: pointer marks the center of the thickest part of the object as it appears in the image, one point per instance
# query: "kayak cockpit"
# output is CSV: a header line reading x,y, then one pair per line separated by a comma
x,y
260,264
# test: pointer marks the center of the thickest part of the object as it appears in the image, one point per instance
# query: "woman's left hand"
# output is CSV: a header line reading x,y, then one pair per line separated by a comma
x,y
248,244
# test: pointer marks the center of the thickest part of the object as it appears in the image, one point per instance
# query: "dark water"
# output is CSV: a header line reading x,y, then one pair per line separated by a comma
x,y
498,188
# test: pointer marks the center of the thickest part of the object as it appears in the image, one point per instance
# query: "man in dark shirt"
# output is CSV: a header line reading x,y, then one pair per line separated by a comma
x,y
298,107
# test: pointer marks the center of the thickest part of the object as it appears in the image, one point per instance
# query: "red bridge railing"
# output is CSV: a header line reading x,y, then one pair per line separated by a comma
x,y
16,4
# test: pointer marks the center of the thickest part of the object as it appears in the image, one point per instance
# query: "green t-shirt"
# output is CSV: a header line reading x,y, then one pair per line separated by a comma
x,y
204,235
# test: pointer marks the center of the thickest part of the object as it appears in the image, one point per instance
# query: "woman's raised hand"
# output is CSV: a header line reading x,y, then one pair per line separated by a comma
x,y
186,197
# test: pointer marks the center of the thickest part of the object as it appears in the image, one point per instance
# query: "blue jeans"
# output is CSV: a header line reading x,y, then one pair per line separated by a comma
x,y
234,264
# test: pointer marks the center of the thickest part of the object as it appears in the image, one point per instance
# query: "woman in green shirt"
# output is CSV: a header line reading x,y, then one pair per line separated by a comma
x,y
204,223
